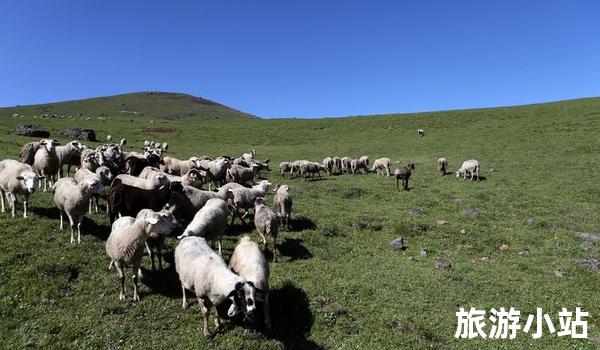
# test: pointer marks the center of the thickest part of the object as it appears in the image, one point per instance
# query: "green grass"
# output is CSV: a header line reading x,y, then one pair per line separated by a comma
x,y
336,285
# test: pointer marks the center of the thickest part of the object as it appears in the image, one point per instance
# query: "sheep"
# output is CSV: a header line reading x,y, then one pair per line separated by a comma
x,y
217,169
176,166
108,137
346,164
69,154
91,159
45,161
28,151
135,165
193,177
156,239
365,161
249,262
209,222
16,178
113,156
205,273
102,173
248,157
240,174
442,166
128,195
361,164
264,165
295,167
380,165
72,198
126,243
123,142
282,205
337,164
469,166
265,221
284,167
310,168
185,204
403,174
420,132
244,198
240,161
328,165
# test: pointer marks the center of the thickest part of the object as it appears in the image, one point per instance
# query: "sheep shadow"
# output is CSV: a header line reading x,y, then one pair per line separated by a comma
x,y
294,249
48,212
90,227
481,178
164,282
301,223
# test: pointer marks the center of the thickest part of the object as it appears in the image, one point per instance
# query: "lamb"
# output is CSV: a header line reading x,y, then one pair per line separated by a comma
x,y
442,166
102,173
128,197
249,262
265,221
176,166
45,162
403,174
282,205
209,222
205,273
126,243
248,157
328,165
156,239
469,166
244,197
16,178
310,168
240,174
380,165
72,198
69,154
186,204
284,167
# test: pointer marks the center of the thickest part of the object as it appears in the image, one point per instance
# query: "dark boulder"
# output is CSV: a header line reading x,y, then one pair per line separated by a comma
x,y
31,131
79,134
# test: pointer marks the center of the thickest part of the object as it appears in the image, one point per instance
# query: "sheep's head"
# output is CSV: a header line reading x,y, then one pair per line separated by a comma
x,y
105,174
458,173
161,223
30,180
95,185
242,300
49,144
259,201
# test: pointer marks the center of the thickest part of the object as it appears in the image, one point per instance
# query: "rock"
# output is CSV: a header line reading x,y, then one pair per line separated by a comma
x,y
441,222
472,213
504,247
523,251
30,130
586,245
591,236
557,273
462,231
398,244
588,263
529,222
487,259
442,263
423,252
79,134
416,210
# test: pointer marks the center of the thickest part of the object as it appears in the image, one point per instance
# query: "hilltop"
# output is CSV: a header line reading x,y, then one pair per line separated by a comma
x,y
151,105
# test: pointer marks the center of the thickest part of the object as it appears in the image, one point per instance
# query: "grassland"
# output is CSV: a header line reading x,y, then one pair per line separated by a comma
x,y
338,285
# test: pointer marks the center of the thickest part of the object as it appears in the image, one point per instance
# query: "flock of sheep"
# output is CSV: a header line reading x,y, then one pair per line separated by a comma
x,y
149,196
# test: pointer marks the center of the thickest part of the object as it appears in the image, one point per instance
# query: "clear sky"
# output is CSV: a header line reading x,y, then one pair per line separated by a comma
x,y
303,58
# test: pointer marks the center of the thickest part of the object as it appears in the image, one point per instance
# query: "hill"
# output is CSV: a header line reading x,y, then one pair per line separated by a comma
x,y
150,105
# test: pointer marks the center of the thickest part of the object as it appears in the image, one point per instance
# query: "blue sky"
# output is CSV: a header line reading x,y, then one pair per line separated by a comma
x,y
303,58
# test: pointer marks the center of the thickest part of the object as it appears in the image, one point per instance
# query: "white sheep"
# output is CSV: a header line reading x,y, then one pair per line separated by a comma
x,y
248,157
420,132
243,198
249,262
471,167
310,168
72,198
328,165
284,167
126,242
205,273
265,221
209,222
45,162
16,178
346,164
241,174
102,173
380,165
186,204
69,155
442,166
156,239
282,205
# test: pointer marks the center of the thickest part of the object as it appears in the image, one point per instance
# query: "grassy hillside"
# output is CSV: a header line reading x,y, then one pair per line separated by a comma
x,y
149,105
338,285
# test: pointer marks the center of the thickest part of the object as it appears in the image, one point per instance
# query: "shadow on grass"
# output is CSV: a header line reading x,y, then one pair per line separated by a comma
x,y
294,249
301,223
90,227
164,282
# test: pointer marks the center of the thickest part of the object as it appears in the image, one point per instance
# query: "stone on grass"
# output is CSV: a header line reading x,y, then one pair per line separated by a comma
x,y
398,244
442,263
423,252
416,210
588,263
472,213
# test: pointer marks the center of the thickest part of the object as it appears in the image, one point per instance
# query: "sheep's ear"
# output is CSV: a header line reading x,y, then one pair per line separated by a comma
x,y
152,221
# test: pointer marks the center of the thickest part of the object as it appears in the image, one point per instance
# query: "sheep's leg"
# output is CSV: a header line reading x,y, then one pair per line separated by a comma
x,y
72,226
184,303
119,267
217,320
136,277
205,311
79,221
96,199
13,201
397,186
45,183
274,249
219,244
159,256
90,206
2,194
25,204
267,314
61,219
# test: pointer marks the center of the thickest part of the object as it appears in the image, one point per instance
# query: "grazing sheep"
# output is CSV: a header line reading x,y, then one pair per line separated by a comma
x,y
421,132
16,178
403,174
284,167
469,167
186,204
310,168
244,198
69,154
72,198
265,221
328,165
346,165
337,164
248,157
380,165
361,164
156,239
45,162
282,205
209,222
240,174
249,262
205,273
442,166
295,167
28,151
126,242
